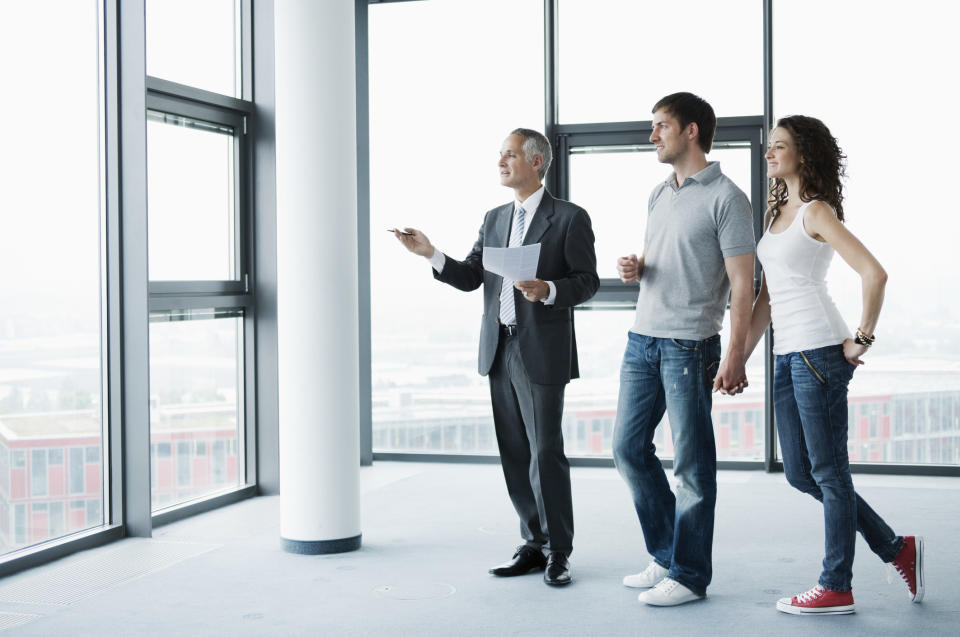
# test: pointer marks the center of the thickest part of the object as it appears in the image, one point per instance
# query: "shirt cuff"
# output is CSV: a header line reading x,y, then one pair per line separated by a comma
x,y
552,297
438,260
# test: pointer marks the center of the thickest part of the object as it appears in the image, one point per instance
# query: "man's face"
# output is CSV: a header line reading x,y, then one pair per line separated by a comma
x,y
515,170
668,137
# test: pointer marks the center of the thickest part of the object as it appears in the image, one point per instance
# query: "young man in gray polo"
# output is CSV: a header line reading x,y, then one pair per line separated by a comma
x,y
699,247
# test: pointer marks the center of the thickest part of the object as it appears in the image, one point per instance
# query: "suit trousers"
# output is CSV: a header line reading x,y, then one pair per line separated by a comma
x,y
527,417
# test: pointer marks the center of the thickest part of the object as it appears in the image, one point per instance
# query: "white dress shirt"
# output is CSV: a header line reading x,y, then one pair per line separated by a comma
x,y
530,206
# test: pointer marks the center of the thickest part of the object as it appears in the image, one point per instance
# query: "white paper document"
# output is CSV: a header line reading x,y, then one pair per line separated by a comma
x,y
516,264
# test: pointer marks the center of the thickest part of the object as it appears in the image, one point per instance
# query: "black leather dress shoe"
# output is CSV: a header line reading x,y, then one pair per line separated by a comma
x,y
558,570
526,559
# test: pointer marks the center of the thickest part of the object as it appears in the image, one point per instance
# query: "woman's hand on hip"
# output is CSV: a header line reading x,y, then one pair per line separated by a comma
x,y
853,351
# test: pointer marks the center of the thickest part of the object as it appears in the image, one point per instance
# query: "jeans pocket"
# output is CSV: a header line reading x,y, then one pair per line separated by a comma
x,y
686,345
711,369
813,369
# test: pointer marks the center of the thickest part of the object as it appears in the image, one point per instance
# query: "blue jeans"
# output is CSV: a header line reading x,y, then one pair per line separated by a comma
x,y
810,402
676,376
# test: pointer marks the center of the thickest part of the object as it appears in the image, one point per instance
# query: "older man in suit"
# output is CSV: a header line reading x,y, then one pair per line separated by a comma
x,y
527,345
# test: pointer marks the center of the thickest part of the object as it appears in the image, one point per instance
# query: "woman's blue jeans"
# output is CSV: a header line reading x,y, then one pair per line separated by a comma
x,y
676,376
810,402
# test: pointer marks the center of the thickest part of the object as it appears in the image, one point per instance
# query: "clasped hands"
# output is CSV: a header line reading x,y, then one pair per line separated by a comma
x,y
731,378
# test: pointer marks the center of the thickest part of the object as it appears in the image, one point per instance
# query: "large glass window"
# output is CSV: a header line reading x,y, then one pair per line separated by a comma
x,y
614,59
618,57
613,184
63,237
196,401
200,299
903,401
435,168
50,256
590,404
195,43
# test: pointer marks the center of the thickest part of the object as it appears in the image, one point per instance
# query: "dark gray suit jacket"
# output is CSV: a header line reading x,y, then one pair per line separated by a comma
x,y
547,340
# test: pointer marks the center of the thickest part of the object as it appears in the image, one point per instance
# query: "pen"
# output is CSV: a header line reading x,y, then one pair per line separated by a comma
x,y
406,234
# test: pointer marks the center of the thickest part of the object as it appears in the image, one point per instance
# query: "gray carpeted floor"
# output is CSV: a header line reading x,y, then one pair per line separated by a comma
x,y
432,530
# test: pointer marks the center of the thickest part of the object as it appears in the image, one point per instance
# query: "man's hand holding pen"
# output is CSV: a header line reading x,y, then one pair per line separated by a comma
x,y
414,241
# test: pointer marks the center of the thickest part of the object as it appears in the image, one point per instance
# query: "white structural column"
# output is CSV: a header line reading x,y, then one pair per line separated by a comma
x,y
317,313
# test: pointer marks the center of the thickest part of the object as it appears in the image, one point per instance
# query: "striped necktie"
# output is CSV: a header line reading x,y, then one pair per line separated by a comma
x,y
508,311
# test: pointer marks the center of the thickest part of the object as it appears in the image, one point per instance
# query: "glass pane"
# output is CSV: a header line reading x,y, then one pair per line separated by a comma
x,y
618,57
50,219
590,405
190,199
590,402
195,43
905,401
613,184
196,404
431,171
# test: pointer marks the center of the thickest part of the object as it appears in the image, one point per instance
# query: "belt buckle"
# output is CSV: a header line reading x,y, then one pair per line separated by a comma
x,y
509,330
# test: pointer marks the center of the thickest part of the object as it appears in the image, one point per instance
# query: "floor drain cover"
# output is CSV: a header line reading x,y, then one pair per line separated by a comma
x,y
415,590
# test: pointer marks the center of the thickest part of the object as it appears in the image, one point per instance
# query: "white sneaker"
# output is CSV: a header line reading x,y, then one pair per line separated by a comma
x,y
647,579
668,592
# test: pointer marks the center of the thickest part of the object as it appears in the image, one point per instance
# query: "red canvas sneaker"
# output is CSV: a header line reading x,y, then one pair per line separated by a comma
x,y
818,601
909,563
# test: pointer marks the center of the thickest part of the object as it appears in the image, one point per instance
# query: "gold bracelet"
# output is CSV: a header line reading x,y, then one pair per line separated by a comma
x,y
863,339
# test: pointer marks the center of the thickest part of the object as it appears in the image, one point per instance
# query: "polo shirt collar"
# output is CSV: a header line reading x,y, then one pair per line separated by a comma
x,y
705,176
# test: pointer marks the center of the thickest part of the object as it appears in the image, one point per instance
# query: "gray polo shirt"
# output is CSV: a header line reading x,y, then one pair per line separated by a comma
x,y
691,229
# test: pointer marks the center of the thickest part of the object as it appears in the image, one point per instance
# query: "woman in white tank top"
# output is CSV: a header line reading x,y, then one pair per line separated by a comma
x,y
816,355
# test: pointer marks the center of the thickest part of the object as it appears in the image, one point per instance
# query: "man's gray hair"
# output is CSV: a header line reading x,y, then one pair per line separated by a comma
x,y
534,144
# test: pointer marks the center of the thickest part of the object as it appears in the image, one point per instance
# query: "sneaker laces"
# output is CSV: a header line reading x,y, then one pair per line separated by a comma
x,y
894,569
666,585
651,569
811,595
891,572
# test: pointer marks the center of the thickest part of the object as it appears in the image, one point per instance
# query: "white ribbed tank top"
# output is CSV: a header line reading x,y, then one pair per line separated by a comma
x,y
795,266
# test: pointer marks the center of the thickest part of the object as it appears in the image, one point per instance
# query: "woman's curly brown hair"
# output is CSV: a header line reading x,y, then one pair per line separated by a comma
x,y
822,165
